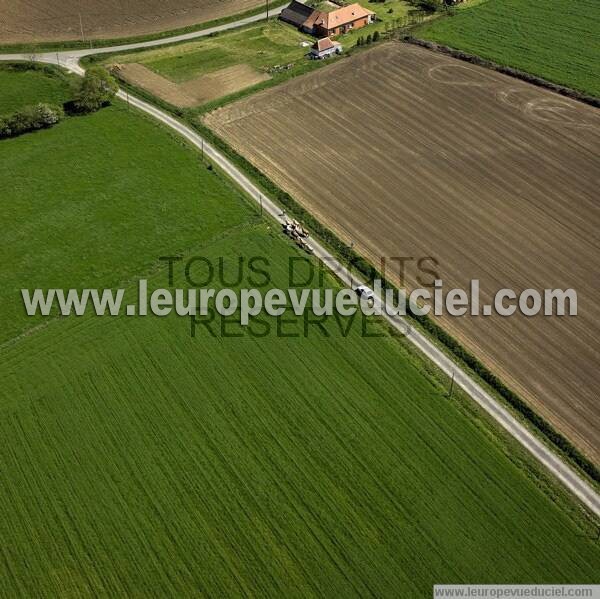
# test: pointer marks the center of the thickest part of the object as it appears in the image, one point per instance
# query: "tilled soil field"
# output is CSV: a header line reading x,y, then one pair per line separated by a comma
x,y
196,91
409,153
26,21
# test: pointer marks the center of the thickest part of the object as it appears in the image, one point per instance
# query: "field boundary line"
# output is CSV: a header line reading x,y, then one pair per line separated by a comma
x,y
557,88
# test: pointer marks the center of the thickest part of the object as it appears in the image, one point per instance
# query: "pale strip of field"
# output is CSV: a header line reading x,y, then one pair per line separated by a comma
x,y
25,21
195,91
156,84
410,153
223,82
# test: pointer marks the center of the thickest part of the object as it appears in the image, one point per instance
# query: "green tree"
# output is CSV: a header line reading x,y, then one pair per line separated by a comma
x,y
97,88
428,5
376,36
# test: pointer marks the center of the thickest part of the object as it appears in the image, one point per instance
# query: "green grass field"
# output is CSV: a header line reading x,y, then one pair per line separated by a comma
x,y
139,461
260,46
559,40
20,88
391,14
90,192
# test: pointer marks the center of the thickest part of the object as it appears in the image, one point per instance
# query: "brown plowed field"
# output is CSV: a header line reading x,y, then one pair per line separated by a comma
x,y
25,21
410,153
194,92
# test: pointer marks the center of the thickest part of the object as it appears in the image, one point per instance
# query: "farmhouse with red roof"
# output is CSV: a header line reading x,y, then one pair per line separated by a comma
x,y
327,24
342,20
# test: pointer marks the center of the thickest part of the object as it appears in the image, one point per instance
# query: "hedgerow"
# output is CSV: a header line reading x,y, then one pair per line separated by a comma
x,y
30,118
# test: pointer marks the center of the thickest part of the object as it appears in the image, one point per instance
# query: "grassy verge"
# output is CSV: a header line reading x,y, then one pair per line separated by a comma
x,y
78,44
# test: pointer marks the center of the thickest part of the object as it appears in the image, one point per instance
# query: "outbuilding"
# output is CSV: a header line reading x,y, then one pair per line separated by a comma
x,y
324,48
296,14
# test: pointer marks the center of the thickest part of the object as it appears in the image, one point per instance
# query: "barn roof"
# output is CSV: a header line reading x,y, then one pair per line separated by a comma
x,y
312,19
296,13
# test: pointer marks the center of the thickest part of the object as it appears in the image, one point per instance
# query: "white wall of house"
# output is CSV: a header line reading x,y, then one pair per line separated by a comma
x,y
325,53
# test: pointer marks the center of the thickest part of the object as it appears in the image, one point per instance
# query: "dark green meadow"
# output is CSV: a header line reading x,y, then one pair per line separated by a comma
x,y
301,461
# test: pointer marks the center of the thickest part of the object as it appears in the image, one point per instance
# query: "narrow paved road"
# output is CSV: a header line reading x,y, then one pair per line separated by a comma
x,y
556,465
71,58
563,472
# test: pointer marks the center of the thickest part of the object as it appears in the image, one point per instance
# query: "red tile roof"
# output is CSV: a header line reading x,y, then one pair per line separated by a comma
x,y
325,44
342,16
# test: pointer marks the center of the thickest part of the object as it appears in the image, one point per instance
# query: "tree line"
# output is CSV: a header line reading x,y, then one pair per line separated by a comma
x,y
365,41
